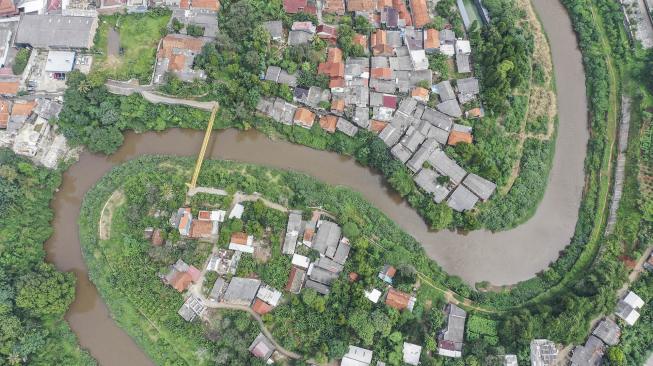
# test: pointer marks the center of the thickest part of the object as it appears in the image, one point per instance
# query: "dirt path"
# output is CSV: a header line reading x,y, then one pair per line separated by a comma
x,y
240,197
116,199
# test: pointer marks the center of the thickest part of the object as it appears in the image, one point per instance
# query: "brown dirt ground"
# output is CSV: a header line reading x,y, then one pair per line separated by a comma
x,y
116,199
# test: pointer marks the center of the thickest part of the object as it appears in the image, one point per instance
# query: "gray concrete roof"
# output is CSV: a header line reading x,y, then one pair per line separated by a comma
x,y
428,147
328,235
445,90
589,354
379,61
407,105
462,199
346,127
293,231
362,117
468,86
447,36
297,37
446,166
241,291
218,288
56,31
481,187
427,180
383,86
463,64
390,135
451,108
401,153
319,287
438,119
608,331
412,139
440,135
275,28
287,79
455,329
403,63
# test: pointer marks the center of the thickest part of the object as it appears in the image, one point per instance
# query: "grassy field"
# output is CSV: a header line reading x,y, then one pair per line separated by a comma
x,y
130,52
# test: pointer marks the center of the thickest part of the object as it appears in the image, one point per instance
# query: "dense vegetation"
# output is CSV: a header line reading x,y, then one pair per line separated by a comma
x,y
33,295
20,61
315,330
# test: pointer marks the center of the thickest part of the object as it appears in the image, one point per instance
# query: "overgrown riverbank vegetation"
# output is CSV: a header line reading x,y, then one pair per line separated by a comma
x,y
33,295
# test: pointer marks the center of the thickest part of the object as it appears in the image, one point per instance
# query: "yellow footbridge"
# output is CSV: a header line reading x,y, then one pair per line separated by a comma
x,y
205,143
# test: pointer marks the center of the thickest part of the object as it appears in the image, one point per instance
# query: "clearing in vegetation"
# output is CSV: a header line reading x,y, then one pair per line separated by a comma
x,y
132,52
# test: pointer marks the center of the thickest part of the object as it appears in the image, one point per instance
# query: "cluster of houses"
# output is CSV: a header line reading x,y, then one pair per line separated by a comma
x,y
605,334
390,93
54,41
325,238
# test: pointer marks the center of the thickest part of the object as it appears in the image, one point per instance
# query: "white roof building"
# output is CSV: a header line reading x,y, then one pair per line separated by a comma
x,y
60,61
357,357
374,295
412,353
269,295
447,49
237,211
463,46
300,261
633,300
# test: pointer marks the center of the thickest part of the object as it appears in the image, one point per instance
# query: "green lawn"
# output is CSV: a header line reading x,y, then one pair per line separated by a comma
x,y
139,36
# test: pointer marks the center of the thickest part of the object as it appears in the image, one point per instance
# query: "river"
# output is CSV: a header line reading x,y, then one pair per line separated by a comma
x,y
501,258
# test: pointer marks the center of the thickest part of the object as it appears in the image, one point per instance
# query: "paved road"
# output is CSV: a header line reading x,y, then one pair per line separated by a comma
x,y
147,91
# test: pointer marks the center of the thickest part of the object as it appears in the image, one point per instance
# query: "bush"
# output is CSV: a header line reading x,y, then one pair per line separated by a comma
x,y
20,61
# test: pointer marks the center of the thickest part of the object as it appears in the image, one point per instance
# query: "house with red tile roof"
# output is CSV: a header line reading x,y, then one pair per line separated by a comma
x,y
5,109
176,54
304,117
399,300
328,123
456,137
299,6
421,15
333,7
9,87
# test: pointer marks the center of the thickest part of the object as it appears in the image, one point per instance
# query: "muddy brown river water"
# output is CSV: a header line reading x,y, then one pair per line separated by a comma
x,y
501,258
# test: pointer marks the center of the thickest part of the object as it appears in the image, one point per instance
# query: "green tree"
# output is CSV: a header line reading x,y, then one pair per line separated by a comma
x,y
46,293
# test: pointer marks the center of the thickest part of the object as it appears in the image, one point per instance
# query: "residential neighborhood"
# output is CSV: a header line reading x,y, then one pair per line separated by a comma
x,y
392,93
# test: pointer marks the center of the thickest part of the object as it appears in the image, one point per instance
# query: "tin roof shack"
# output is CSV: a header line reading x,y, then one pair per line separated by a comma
x,y
445,90
218,289
295,280
387,273
262,347
608,331
241,291
357,356
628,306
191,308
543,352
275,29
346,127
279,110
481,187
589,354
176,56
450,340
278,75
53,31
412,353
399,300
293,231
